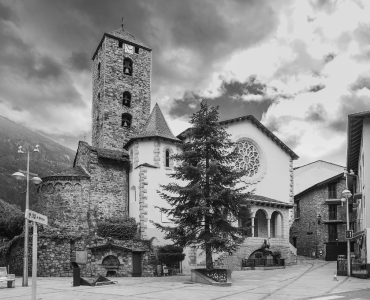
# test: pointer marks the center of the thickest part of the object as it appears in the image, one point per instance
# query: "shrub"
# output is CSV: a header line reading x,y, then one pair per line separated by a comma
x,y
170,255
11,220
118,228
276,254
258,255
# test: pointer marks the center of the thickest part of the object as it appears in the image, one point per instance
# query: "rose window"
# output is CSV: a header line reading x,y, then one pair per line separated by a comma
x,y
249,158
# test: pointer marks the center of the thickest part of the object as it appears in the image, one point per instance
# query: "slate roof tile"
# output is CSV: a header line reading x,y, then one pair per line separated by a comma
x,y
125,35
155,126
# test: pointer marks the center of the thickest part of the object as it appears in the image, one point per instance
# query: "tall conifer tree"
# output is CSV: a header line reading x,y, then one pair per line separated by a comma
x,y
207,203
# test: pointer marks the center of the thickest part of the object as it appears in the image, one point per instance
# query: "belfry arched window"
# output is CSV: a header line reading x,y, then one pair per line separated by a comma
x,y
126,100
127,66
99,66
126,120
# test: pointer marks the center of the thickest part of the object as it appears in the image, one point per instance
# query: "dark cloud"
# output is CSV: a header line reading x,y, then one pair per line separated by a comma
x,y
329,57
349,104
6,13
303,62
362,34
328,6
316,88
309,19
316,113
80,61
361,82
33,82
230,100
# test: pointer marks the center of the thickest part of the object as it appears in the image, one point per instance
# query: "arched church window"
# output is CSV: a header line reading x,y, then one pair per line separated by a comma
x,y
167,158
126,99
126,120
127,66
248,158
99,70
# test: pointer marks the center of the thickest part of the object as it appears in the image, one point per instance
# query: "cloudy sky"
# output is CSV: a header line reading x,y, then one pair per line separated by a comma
x,y
298,66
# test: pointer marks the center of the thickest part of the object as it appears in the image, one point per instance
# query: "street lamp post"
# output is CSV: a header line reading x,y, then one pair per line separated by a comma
x,y
36,180
346,194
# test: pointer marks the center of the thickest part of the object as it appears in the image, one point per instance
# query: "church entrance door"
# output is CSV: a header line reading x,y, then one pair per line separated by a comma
x,y
136,264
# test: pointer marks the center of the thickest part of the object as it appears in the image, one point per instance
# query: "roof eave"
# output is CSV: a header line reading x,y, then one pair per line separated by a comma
x,y
119,39
149,137
260,126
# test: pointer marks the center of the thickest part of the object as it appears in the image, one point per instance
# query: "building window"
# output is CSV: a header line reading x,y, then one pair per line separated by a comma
x,y
333,232
99,70
255,227
248,158
332,191
167,158
298,210
126,99
332,212
127,66
137,50
126,120
120,44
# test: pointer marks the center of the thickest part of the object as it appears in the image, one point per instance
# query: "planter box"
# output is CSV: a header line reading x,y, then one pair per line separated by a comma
x,y
216,277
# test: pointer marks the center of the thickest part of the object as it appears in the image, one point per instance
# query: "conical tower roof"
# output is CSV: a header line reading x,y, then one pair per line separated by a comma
x,y
155,126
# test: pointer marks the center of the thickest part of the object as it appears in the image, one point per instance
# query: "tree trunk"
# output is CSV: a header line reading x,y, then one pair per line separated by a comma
x,y
209,261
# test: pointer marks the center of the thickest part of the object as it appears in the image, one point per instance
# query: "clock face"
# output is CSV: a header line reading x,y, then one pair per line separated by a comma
x,y
129,49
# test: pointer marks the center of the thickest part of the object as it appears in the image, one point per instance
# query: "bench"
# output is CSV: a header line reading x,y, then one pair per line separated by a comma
x,y
9,278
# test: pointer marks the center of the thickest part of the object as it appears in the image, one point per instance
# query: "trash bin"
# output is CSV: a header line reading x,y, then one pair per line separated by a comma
x,y
76,274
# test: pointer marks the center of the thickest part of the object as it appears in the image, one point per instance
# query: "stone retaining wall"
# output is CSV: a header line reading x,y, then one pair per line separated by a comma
x,y
56,254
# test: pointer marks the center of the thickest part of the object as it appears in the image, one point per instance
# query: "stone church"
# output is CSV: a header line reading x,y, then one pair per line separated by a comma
x,y
130,156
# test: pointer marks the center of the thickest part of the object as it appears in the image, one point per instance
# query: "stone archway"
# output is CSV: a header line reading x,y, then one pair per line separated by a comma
x,y
277,222
111,264
260,223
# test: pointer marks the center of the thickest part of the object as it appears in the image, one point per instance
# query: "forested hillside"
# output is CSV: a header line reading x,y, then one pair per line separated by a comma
x,y
52,158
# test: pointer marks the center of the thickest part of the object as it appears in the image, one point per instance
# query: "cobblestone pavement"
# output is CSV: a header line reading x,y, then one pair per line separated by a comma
x,y
309,279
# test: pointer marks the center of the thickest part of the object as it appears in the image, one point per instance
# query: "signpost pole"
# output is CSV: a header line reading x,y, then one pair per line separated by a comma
x,y
25,258
34,260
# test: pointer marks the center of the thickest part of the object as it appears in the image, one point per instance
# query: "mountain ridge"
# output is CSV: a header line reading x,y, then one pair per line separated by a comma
x,y
52,158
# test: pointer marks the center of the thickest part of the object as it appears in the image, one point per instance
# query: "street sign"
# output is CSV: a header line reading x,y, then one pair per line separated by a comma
x,y
349,234
36,217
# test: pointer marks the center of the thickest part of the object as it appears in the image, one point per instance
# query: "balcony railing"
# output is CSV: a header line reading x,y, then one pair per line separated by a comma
x,y
263,262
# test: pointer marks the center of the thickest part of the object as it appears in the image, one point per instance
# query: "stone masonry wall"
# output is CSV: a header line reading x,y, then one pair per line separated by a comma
x,y
107,130
55,255
83,157
108,187
65,203
312,204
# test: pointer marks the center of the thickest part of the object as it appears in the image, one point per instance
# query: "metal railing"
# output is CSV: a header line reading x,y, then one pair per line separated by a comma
x,y
263,262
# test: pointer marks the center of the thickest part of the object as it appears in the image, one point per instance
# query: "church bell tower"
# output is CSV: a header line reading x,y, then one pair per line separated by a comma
x,y
121,89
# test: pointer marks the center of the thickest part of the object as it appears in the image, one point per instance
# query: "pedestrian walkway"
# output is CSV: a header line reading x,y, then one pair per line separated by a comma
x,y
307,280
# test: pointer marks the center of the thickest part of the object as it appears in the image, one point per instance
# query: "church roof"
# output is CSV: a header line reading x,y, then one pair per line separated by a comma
x,y
76,171
123,34
155,127
106,153
265,201
261,127
354,138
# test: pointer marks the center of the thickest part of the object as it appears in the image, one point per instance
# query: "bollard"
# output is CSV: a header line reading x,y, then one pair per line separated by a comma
x,y
335,277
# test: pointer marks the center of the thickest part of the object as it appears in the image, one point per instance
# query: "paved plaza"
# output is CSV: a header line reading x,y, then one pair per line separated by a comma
x,y
310,279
